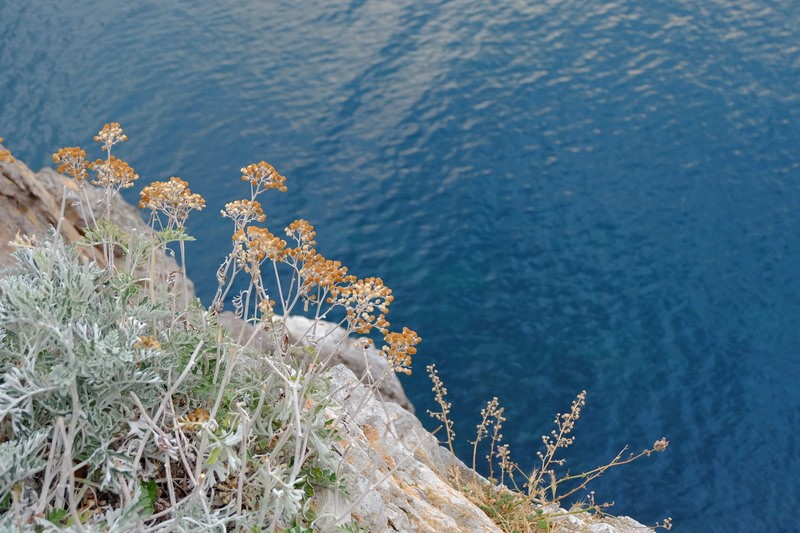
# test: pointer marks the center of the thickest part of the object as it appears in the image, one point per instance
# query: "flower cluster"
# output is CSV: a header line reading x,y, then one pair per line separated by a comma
x,y
71,161
303,234
267,309
441,399
110,135
195,420
660,445
324,273
173,198
264,176
366,302
399,348
565,423
254,245
5,155
113,173
148,342
242,212
315,279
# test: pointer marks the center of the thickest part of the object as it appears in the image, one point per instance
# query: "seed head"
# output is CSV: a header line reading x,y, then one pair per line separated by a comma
x,y
110,135
399,348
242,212
72,161
173,198
661,444
113,173
264,176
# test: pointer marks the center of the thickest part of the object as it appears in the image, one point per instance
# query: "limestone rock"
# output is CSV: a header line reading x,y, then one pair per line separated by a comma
x,y
247,334
585,523
397,474
393,468
335,347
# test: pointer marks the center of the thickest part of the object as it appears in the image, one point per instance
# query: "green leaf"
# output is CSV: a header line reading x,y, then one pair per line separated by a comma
x,y
147,500
212,458
57,516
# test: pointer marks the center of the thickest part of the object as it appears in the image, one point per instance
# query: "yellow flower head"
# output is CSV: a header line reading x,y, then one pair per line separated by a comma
x,y
321,272
303,234
242,212
110,135
148,342
254,245
264,176
366,302
71,161
113,173
173,198
399,348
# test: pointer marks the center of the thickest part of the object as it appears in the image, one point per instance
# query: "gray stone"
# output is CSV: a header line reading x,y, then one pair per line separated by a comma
x,y
395,471
335,347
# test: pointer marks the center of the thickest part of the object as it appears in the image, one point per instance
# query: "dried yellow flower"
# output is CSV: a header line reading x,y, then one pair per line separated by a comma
x,y
263,176
72,161
399,348
303,234
366,302
321,272
110,135
195,420
113,173
148,342
173,198
255,245
242,212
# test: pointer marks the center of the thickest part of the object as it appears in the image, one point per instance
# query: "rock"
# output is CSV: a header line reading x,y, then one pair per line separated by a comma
x,y
398,475
29,207
393,468
335,347
586,523
250,335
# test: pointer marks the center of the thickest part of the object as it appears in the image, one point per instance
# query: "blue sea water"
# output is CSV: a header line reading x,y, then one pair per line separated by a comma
x,y
563,194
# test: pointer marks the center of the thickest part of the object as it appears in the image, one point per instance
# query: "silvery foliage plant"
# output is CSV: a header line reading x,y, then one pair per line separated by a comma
x,y
116,413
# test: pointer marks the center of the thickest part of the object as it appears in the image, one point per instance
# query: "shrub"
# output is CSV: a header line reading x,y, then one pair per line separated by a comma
x,y
124,405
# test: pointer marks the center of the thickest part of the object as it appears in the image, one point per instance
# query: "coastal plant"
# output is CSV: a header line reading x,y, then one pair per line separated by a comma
x,y
126,407
537,500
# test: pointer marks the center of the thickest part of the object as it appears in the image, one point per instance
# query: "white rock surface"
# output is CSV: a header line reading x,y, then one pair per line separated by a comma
x,y
397,474
335,347
394,469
